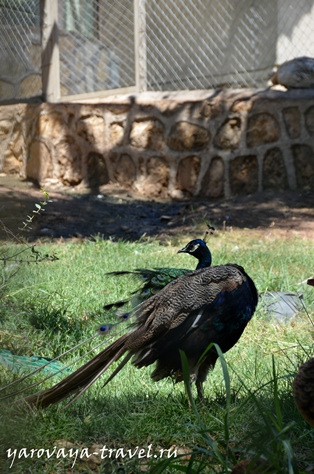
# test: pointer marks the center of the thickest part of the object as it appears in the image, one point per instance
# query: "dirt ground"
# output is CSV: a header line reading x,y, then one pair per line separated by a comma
x,y
118,213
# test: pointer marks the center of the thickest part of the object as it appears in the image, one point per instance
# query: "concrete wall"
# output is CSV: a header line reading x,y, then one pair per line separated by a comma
x,y
201,143
295,29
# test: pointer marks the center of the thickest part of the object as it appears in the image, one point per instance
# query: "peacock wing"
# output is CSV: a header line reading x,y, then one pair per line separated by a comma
x,y
212,305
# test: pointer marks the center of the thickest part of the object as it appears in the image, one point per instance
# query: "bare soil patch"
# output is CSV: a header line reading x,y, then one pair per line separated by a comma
x,y
121,214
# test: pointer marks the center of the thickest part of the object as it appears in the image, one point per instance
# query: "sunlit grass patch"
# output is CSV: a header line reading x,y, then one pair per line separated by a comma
x,y
50,307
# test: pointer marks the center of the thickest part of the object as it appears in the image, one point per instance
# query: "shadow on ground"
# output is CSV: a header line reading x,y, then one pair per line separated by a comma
x,y
120,214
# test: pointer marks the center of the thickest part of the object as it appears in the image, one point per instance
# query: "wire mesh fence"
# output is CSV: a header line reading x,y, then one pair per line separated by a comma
x,y
208,43
96,40
20,49
172,44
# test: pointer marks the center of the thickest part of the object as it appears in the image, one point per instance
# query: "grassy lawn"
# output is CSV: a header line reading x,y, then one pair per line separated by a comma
x,y
49,307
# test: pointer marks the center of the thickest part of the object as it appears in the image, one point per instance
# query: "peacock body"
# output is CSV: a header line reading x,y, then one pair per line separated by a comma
x,y
209,305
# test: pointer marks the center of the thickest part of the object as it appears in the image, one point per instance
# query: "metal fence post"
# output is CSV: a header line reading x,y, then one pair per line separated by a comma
x,y
50,50
140,45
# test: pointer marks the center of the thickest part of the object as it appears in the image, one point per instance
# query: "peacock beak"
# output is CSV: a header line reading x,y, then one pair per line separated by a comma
x,y
184,250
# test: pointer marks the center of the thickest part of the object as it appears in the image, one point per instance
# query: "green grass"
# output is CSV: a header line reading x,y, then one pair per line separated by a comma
x,y
249,412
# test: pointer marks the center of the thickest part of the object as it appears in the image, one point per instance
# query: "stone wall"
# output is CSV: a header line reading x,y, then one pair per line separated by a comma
x,y
202,143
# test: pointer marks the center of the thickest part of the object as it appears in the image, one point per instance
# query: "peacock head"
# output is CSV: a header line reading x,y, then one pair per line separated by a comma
x,y
199,250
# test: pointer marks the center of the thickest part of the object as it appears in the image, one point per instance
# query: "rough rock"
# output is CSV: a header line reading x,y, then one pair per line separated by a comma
x,y
69,159
147,134
97,171
296,73
38,166
116,133
262,128
154,181
229,134
274,170
244,174
292,121
125,172
92,129
187,136
213,181
309,120
304,164
51,124
187,175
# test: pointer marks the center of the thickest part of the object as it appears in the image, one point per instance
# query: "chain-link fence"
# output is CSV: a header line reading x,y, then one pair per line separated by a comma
x,y
96,40
207,43
153,44
20,49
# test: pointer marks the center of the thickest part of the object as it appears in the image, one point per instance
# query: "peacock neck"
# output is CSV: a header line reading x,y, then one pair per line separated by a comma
x,y
205,260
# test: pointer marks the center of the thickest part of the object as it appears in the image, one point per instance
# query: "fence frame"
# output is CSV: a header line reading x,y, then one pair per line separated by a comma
x,y
51,57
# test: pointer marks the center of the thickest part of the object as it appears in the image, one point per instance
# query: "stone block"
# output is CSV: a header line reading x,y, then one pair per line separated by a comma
x,y
69,158
309,120
11,164
147,134
51,124
6,127
187,175
292,121
274,170
244,175
97,171
229,134
296,73
125,171
16,145
158,175
262,128
213,180
208,109
187,136
116,131
92,129
304,165
39,163
154,178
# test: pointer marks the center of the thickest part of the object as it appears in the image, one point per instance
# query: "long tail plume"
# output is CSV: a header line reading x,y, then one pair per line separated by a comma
x,y
104,330
82,378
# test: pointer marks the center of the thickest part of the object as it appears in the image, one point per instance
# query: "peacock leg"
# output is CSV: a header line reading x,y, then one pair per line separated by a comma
x,y
200,389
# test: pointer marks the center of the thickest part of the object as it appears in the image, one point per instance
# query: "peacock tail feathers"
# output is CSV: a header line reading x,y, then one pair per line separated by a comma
x,y
23,363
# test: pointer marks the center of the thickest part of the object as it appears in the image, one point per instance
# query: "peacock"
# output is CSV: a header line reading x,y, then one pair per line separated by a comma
x,y
303,390
204,306
153,280
303,385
